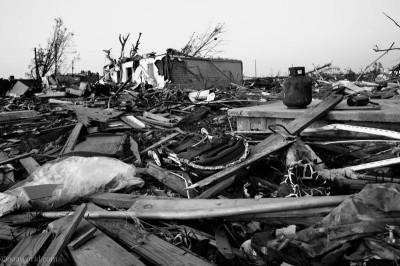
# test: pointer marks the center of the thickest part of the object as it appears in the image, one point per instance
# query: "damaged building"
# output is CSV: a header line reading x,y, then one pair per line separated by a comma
x,y
177,69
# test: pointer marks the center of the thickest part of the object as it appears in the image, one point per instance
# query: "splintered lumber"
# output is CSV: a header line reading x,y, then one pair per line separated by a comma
x,y
73,138
10,233
133,122
156,122
376,164
82,239
212,208
62,238
6,161
217,188
156,117
222,242
162,141
120,200
12,116
24,253
135,149
275,141
100,249
149,246
29,164
86,114
306,217
188,209
172,180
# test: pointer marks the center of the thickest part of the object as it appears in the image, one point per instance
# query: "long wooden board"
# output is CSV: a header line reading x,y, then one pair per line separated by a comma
x,y
275,141
149,246
181,209
120,200
162,141
100,250
24,253
73,138
62,239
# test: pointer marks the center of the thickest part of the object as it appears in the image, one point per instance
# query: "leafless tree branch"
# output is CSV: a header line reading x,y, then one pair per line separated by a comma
x,y
397,24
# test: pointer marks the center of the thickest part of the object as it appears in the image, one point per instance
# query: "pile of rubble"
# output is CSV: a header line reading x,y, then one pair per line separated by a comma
x,y
128,174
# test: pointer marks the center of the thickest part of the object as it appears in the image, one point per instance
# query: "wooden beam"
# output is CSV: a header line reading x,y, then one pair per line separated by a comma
x,y
62,238
222,242
10,233
170,179
156,122
25,252
82,239
73,138
147,245
275,141
133,122
29,164
12,116
182,209
162,141
217,188
100,250
120,200
188,209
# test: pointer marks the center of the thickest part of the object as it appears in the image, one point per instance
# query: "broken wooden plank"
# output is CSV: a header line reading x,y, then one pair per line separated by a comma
x,y
86,114
18,157
120,200
376,164
29,164
133,122
275,141
156,122
212,208
217,188
25,252
62,238
172,180
156,117
82,239
10,233
100,250
188,209
147,245
12,116
135,150
162,141
73,138
222,242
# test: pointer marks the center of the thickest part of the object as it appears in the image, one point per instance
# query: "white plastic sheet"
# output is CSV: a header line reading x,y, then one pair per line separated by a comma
x,y
80,177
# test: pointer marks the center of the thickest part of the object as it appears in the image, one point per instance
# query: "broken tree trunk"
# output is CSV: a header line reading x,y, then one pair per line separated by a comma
x,y
275,141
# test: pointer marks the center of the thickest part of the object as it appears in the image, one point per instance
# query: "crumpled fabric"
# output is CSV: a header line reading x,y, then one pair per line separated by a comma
x,y
362,215
302,180
79,177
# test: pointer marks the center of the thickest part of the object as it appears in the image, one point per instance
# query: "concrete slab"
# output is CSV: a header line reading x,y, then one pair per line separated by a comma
x,y
261,116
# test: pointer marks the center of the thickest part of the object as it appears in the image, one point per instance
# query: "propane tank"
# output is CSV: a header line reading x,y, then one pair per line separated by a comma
x,y
297,89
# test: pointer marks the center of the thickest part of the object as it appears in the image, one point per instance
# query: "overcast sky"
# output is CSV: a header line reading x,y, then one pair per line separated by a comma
x,y
277,34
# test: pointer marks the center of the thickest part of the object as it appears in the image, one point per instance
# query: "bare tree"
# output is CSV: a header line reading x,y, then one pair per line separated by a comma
x,y
205,44
377,49
54,56
123,40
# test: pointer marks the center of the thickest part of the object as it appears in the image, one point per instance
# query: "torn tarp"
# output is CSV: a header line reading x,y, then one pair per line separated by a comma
x,y
350,231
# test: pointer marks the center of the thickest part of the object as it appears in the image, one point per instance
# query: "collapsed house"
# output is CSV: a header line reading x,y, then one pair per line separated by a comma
x,y
177,69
